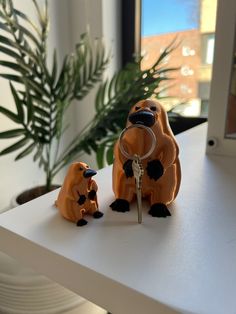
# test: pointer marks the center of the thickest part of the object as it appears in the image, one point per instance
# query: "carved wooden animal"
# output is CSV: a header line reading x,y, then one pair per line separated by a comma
x,y
162,173
78,194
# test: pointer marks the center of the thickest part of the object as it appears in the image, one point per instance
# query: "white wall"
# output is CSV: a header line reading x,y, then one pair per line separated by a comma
x,y
102,18
68,19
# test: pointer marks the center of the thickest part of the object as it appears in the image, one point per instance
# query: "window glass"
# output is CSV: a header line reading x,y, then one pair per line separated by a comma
x,y
192,24
208,42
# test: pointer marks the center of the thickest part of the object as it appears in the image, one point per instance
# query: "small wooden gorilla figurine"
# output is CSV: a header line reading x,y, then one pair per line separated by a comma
x,y
162,174
78,194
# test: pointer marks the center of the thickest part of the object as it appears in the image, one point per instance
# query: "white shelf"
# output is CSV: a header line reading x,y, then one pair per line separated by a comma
x,y
184,263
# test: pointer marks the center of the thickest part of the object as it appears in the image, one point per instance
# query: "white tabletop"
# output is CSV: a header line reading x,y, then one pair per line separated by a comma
x,y
185,263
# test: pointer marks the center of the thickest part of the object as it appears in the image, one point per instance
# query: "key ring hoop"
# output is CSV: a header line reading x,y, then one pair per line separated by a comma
x,y
140,126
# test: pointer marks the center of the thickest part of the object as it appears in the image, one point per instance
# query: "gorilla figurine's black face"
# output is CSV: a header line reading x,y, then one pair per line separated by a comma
x,y
143,117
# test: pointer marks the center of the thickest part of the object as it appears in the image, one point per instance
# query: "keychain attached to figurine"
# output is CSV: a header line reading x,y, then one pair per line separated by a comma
x,y
146,163
137,167
78,194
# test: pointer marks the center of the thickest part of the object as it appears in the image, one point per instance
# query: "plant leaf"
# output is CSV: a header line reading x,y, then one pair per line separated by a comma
x,y
29,34
7,41
36,87
4,27
14,66
54,66
109,155
38,99
12,133
18,102
42,112
42,162
9,52
11,115
12,77
100,155
26,151
25,17
38,152
15,146
87,73
43,123
42,131
29,104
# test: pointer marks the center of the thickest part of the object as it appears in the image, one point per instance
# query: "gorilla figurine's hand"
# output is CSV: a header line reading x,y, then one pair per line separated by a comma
x,y
81,199
127,166
92,194
155,169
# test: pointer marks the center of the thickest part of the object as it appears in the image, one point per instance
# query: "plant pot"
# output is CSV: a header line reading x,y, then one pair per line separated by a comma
x,y
30,194
33,193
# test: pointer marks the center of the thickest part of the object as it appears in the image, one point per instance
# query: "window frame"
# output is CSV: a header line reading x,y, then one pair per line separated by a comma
x,y
130,30
217,143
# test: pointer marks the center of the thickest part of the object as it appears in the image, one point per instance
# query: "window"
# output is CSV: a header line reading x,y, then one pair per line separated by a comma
x,y
186,70
192,23
187,51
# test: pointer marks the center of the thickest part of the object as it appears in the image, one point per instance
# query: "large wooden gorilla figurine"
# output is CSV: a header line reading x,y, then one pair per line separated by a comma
x,y
162,174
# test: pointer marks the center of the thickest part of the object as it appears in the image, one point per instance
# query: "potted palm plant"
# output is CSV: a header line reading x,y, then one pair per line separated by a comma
x,y
42,95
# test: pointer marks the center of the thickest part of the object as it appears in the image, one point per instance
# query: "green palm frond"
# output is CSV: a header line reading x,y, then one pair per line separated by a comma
x,y
113,101
42,95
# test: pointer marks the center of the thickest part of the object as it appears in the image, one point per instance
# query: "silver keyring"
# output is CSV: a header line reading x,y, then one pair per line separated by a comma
x,y
140,126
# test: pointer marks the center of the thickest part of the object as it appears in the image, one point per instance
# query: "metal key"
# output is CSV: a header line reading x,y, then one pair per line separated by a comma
x,y
138,173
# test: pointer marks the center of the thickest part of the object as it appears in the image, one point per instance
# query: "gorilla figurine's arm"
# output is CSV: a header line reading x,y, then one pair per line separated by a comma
x,y
154,169
167,156
81,200
127,166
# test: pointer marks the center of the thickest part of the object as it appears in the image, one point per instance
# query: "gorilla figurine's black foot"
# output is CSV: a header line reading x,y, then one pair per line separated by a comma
x,y
81,222
159,210
120,205
97,214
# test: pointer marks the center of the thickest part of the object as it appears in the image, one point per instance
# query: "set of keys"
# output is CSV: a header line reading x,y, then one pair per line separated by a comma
x,y
137,163
138,174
